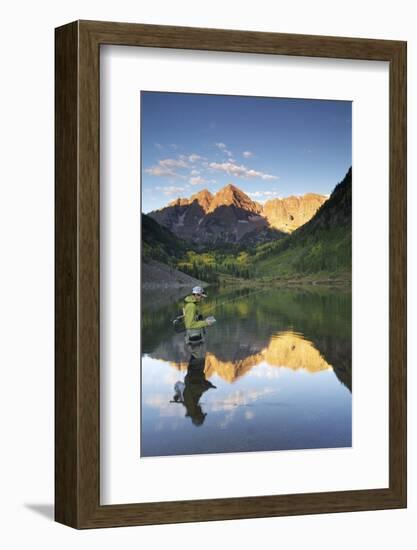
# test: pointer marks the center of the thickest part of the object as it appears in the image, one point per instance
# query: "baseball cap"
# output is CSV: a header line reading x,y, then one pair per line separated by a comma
x,y
199,290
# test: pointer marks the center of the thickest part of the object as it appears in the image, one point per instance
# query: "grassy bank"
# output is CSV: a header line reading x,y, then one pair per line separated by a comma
x,y
315,279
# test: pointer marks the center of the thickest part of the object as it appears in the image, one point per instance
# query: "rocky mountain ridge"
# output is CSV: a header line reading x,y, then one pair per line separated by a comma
x,y
230,215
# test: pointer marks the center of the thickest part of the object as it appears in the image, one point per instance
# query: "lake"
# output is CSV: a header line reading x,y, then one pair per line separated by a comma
x,y
274,373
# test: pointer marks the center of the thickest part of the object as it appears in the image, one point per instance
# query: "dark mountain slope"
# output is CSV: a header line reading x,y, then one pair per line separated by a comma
x,y
159,243
322,245
335,212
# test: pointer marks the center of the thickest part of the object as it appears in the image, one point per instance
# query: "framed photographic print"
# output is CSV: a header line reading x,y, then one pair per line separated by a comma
x,y
230,274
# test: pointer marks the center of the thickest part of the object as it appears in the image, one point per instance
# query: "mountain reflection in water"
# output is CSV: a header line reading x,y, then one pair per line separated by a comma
x,y
280,360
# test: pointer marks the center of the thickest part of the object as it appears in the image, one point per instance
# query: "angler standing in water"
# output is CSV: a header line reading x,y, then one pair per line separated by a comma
x,y
194,323
195,384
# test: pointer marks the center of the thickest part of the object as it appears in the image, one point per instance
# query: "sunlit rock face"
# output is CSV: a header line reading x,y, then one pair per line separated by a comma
x,y
233,196
292,351
230,215
203,198
286,349
292,212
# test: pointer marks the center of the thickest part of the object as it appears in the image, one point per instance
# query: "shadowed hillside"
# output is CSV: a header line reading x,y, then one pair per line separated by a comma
x,y
322,245
160,252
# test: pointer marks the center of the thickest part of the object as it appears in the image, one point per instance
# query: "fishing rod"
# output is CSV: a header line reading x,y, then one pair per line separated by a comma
x,y
178,321
214,306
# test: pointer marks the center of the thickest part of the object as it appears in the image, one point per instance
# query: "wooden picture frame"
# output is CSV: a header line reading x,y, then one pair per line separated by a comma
x,y
77,363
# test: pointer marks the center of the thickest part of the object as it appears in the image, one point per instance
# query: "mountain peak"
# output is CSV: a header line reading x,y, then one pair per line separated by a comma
x,y
231,187
230,214
178,202
203,197
230,195
231,190
203,194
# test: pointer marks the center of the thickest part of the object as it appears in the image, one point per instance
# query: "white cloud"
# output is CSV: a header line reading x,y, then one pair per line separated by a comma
x,y
166,168
254,174
173,163
194,157
194,172
170,189
223,148
247,154
263,194
198,180
160,171
271,193
239,170
158,145
229,167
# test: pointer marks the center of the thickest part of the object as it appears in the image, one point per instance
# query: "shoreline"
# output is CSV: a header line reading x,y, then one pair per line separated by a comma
x,y
273,283
308,281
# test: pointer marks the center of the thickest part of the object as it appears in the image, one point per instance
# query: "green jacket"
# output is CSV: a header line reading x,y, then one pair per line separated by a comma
x,y
191,313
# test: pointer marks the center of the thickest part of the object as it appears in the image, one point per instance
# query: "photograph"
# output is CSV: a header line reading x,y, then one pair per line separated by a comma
x,y
246,303
209,259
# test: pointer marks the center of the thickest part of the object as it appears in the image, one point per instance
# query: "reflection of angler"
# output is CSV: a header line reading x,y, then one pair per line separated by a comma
x,y
189,392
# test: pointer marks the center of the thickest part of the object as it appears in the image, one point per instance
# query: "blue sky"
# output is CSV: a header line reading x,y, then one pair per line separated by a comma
x,y
268,147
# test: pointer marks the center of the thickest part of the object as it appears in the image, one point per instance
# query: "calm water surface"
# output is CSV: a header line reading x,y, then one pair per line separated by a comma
x,y
274,373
